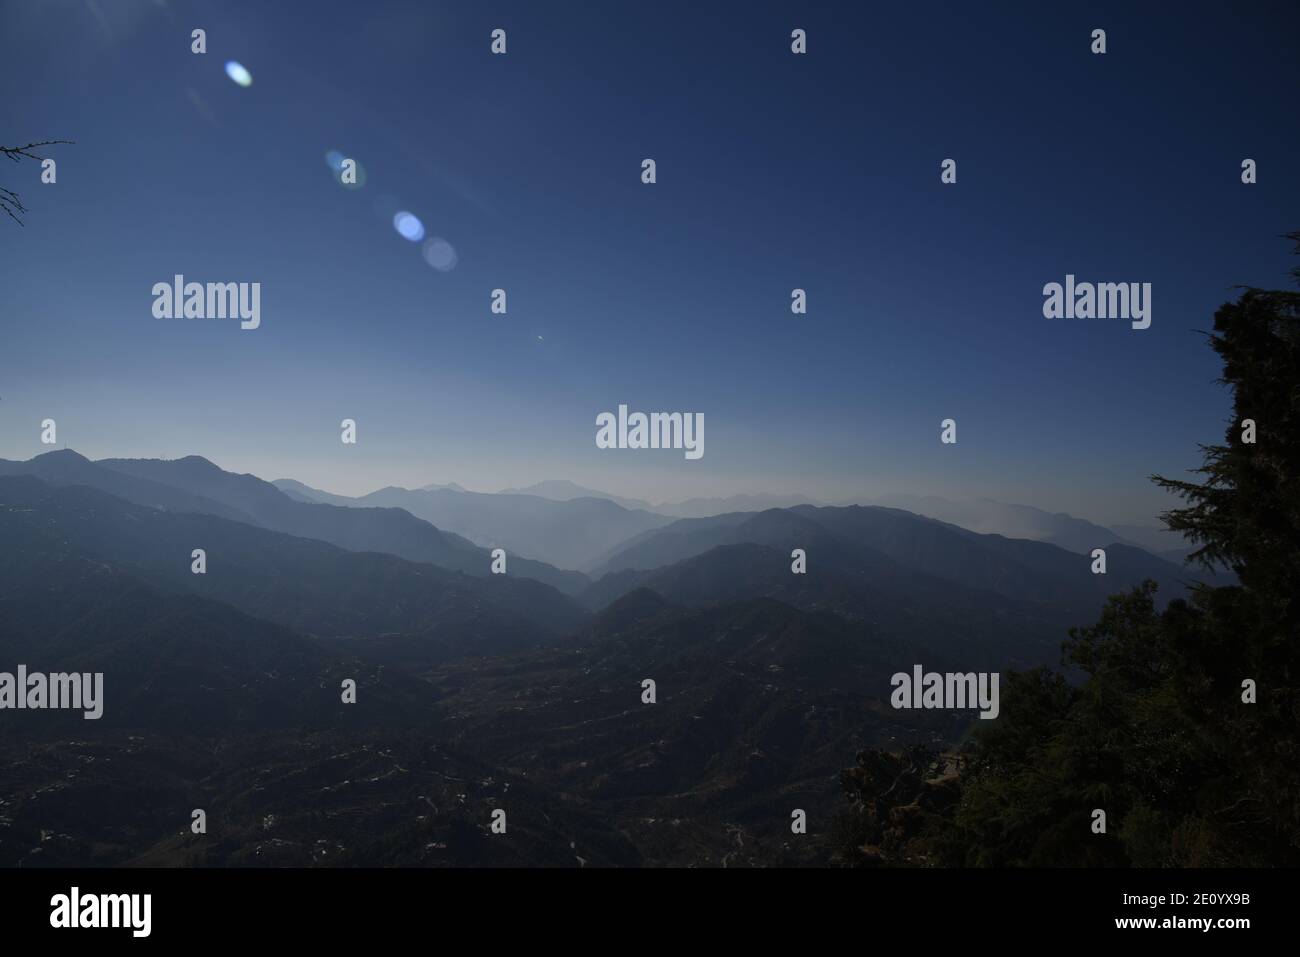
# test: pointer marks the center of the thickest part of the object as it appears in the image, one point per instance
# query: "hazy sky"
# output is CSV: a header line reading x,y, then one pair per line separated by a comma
x,y
775,171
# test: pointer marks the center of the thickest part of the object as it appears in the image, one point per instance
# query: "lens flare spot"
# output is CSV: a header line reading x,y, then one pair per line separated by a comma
x,y
408,226
235,70
440,254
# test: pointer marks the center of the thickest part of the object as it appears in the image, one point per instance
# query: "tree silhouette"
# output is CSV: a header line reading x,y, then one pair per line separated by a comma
x,y
9,201
1184,730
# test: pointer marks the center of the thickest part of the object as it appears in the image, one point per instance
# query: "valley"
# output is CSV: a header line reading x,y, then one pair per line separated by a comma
x,y
476,693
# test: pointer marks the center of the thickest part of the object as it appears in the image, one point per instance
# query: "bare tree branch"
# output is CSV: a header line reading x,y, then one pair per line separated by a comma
x,y
9,201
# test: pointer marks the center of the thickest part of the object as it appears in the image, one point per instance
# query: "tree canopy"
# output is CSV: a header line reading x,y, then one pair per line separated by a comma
x,y
1183,727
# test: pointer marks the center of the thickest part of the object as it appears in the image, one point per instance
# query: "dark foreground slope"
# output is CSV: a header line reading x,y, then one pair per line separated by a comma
x,y
208,708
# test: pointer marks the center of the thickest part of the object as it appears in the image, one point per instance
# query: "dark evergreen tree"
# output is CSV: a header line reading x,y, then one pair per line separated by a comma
x,y
1184,730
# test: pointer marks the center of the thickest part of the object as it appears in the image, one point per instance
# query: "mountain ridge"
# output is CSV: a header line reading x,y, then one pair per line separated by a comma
x,y
195,484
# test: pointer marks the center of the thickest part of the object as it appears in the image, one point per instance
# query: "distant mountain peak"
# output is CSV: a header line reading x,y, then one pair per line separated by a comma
x,y
563,486
61,455
199,461
562,490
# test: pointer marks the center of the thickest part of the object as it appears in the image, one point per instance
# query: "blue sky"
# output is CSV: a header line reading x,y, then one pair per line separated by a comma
x,y
775,171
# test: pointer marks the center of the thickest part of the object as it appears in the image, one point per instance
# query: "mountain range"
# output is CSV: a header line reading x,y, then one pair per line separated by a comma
x,y
571,534
195,484
476,690
483,520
